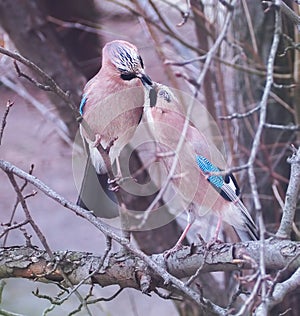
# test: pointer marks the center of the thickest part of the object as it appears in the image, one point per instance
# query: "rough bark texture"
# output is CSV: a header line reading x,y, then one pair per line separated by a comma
x,y
33,263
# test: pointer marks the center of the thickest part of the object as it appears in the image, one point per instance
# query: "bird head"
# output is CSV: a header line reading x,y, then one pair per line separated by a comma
x,y
126,61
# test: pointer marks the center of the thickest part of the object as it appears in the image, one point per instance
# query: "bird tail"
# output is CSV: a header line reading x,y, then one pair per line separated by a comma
x,y
246,235
94,194
249,230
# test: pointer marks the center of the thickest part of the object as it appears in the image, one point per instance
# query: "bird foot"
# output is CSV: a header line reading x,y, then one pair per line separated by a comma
x,y
97,140
110,144
169,252
213,242
113,184
122,255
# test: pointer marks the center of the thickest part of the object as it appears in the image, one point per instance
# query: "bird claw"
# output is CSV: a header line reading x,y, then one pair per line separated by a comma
x,y
122,255
110,144
169,252
213,242
113,184
97,140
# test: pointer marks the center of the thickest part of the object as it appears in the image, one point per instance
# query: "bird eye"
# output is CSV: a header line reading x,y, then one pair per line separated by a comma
x,y
141,61
227,178
128,76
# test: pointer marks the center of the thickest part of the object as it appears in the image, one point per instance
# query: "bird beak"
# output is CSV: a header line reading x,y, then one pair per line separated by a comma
x,y
148,84
146,80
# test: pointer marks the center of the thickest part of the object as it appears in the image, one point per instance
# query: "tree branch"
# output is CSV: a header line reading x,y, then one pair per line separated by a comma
x,y
9,104
292,196
280,291
33,263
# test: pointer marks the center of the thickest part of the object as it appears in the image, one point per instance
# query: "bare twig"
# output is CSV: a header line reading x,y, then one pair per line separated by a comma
x,y
12,227
279,274
28,215
280,291
240,115
255,148
16,205
168,296
76,25
61,127
287,11
263,110
283,127
50,85
9,104
250,299
106,299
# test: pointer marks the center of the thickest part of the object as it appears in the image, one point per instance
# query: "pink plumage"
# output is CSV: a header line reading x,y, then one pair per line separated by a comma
x,y
197,157
112,107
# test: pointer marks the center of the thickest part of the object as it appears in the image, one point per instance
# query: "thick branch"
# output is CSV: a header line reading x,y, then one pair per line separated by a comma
x,y
33,263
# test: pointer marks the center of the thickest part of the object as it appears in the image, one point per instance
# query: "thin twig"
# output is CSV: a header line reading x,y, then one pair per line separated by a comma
x,y
280,291
9,104
240,115
286,10
50,83
16,204
75,25
283,127
263,110
12,227
60,126
255,148
279,274
250,299
22,201
106,299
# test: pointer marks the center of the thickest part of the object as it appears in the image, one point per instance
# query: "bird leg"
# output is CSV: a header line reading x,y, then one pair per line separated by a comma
x,y
110,144
216,235
114,183
190,221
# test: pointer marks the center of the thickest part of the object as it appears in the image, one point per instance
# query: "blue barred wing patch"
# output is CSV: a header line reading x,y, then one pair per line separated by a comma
x,y
206,166
82,103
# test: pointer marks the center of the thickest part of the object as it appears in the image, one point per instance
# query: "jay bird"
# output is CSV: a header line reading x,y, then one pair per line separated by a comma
x,y
112,106
196,177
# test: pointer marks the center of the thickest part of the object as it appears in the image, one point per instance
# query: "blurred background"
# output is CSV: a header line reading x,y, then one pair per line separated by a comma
x,y
65,39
